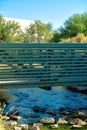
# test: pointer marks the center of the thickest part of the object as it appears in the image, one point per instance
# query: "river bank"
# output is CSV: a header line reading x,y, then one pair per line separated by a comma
x,y
12,122
34,104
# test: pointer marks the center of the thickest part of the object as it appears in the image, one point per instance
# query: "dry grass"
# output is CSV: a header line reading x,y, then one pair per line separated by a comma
x,y
1,127
1,124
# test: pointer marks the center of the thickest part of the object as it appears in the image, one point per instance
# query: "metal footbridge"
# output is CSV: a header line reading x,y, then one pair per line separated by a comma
x,y
42,64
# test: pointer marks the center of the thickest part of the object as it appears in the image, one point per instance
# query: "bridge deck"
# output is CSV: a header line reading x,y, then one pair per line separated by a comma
x,y
39,65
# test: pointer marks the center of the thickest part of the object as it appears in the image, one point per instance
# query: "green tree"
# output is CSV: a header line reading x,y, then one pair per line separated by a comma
x,y
10,31
38,32
3,31
74,25
56,37
84,20
15,32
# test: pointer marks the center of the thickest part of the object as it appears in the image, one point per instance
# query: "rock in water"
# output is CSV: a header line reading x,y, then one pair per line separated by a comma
x,y
51,112
62,121
78,122
47,120
15,117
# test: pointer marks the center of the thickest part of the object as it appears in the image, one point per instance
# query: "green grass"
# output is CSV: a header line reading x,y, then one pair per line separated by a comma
x,y
63,127
45,127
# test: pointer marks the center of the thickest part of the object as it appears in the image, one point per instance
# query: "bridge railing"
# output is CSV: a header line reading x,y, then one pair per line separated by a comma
x,y
41,64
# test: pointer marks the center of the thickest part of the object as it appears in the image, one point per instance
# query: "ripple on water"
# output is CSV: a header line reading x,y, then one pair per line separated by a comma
x,y
58,97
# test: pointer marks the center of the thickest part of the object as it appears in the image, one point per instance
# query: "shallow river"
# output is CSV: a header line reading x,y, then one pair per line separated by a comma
x,y
27,99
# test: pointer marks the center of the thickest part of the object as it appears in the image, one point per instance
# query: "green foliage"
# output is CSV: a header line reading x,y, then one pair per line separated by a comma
x,y
56,37
38,32
74,25
74,30
10,31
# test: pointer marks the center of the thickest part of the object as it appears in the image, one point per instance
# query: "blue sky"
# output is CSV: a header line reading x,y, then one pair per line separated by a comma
x,y
53,11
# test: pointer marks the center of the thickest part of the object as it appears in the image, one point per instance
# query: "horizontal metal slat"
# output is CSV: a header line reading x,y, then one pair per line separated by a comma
x,y
46,64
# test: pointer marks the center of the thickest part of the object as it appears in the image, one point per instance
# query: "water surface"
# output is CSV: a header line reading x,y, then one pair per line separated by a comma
x,y
59,97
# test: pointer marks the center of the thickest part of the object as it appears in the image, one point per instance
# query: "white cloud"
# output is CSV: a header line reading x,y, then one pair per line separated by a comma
x,y
23,23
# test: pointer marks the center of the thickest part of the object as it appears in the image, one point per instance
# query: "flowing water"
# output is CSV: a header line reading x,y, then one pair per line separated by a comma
x,y
59,97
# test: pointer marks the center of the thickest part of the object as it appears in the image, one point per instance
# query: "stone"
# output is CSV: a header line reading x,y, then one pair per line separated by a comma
x,y
78,121
7,118
17,128
14,123
39,109
72,88
35,128
85,120
54,126
47,120
23,126
40,125
84,91
15,117
62,121
76,126
46,88
51,112
65,113
36,109
80,114
61,109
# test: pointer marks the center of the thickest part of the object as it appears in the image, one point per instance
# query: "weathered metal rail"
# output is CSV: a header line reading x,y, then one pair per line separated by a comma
x,y
39,65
